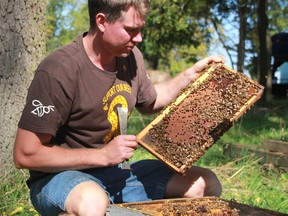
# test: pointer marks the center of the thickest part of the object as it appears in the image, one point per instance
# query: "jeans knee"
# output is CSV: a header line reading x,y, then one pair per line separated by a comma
x,y
92,205
88,199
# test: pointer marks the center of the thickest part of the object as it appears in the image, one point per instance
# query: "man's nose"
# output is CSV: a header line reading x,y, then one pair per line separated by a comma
x,y
137,38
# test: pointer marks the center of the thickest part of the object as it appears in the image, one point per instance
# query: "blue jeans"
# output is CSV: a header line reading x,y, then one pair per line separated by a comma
x,y
145,181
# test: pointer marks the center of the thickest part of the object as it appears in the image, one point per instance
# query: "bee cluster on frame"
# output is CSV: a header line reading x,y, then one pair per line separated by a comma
x,y
199,116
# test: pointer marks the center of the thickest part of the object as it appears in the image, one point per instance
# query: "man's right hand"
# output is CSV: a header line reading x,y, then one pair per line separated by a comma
x,y
120,149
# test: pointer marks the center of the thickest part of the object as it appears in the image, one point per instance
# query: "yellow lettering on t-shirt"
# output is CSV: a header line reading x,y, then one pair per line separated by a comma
x,y
119,87
127,88
116,89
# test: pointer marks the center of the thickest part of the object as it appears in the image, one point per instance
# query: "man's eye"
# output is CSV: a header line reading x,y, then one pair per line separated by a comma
x,y
131,30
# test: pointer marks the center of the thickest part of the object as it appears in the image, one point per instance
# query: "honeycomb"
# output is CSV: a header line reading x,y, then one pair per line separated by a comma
x,y
200,115
205,206
208,206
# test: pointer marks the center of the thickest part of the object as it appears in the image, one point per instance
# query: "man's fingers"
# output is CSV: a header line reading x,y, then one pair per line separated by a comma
x,y
216,58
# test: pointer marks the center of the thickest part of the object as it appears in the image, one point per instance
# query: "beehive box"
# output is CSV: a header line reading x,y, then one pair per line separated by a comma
x,y
206,206
199,116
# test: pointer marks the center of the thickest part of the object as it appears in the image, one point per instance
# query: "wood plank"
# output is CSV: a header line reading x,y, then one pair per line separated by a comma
x,y
278,159
113,210
276,146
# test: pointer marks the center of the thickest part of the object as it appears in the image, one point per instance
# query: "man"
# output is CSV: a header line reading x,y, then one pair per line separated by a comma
x,y
67,132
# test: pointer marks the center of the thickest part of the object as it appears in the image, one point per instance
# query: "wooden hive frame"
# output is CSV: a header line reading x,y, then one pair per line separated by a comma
x,y
198,117
197,206
183,206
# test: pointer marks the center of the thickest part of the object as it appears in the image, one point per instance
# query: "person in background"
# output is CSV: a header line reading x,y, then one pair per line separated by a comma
x,y
67,135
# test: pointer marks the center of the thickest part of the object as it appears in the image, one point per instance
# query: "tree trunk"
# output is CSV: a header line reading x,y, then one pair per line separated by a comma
x,y
264,55
22,45
242,13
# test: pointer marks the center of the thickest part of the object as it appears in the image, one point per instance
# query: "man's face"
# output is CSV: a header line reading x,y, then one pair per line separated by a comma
x,y
120,37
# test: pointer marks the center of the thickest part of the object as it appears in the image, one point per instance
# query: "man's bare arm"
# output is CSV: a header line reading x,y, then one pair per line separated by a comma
x,y
32,151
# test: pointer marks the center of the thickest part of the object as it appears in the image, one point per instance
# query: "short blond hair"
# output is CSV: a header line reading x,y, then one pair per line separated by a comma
x,y
114,9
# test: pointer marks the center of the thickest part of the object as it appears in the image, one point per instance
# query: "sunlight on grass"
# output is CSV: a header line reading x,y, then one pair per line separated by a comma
x,y
248,182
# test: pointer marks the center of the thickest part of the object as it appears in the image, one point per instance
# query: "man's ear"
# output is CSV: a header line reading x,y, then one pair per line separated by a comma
x,y
101,21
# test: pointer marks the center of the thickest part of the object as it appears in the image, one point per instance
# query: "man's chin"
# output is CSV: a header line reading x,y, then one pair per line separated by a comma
x,y
124,54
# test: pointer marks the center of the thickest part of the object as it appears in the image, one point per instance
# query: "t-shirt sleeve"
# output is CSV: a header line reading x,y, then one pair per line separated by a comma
x,y
146,92
47,105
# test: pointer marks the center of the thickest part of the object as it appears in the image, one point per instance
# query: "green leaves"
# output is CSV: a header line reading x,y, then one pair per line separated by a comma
x,y
65,21
173,25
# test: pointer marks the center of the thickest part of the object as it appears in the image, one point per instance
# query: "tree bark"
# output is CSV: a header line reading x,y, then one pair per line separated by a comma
x,y
242,12
264,55
22,46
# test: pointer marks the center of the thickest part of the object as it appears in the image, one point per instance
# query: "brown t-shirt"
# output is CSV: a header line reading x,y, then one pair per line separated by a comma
x,y
73,100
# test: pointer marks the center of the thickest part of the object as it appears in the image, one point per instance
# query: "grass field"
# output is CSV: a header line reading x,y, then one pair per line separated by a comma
x,y
246,179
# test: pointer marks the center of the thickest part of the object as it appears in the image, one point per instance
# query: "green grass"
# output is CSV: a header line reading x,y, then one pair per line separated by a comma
x,y
14,194
246,179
